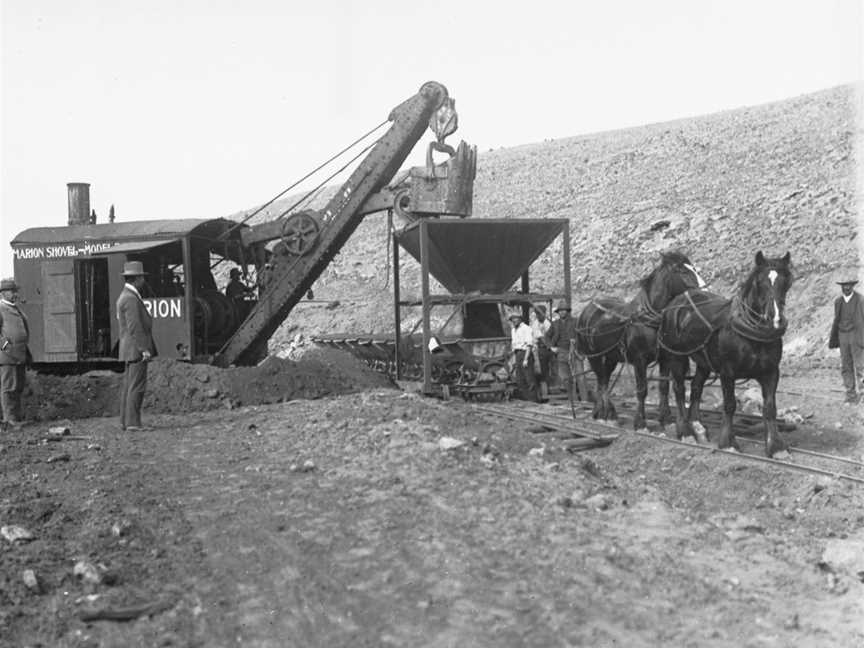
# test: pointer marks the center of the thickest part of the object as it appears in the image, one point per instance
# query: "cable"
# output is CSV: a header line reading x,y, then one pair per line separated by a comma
x,y
289,188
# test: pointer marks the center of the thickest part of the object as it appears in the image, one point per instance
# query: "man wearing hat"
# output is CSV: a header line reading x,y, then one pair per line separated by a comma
x,y
14,354
560,338
521,343
136,344
236,289
847,334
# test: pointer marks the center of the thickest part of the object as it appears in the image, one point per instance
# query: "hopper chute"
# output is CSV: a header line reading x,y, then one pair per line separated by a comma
x,y
483,255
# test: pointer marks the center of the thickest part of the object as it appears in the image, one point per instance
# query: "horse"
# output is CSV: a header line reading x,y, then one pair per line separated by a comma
x,y
737,338
609,331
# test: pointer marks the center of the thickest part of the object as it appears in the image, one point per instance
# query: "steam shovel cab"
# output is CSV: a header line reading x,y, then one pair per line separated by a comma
x,y
71,277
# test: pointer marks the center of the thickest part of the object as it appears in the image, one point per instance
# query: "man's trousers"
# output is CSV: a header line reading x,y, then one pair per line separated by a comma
x,y
132,393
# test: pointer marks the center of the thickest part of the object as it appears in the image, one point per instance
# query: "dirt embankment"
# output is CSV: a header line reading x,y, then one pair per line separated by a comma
x,y
175,387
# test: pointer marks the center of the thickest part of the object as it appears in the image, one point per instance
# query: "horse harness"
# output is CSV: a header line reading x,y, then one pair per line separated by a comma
x,y
589,332
742,319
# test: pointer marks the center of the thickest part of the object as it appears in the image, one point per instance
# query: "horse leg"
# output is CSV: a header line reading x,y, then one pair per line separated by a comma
x,y
598,366
678,369
611,363
640,373
664,414
773,442
695,417
727,437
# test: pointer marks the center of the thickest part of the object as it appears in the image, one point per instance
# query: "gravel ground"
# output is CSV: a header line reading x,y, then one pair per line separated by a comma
x,y
343,520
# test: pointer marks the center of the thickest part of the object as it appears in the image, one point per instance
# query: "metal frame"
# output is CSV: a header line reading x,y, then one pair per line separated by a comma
x,y
428,300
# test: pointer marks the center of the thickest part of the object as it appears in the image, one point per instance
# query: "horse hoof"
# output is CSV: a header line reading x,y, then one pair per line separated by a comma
x,y
701,437
732,449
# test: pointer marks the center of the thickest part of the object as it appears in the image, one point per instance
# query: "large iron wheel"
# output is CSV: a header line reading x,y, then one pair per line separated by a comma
x,y
300,233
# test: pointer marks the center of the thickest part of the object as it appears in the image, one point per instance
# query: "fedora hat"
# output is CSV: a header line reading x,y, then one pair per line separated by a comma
x,y
8,284
133,269
562,306
540,308
851,282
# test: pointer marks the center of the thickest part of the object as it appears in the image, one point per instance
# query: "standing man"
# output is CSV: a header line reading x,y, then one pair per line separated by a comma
x,y
562,342
136,345
14,354
521,343
541,355
847,334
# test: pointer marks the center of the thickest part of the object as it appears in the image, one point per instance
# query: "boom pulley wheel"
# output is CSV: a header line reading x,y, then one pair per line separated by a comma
x,y
300,233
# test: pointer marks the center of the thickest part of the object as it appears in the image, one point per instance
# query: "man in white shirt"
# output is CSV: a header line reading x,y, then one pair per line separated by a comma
x,y
521,343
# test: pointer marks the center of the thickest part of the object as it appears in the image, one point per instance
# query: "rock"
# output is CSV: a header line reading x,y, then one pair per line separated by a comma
x,y
94,446
15,533
87,572
598,502
307,466
745,523
487,460
212,393
537,452
58,431
845,556
121,528
64,456
751,401
449,443
30,580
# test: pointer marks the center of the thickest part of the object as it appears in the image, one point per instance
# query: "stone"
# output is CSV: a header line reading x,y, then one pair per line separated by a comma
x,y
598,502
87,572
121,528
537,452
449,443
845,556
30,580
58,431
15,533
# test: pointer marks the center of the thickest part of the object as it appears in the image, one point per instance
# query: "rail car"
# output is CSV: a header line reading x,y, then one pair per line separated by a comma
x,y
460,340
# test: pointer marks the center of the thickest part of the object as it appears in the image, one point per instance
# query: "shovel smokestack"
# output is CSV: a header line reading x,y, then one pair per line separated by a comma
x,y
79,203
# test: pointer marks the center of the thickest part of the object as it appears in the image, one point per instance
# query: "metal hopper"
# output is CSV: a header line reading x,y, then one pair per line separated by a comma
x,y
486,256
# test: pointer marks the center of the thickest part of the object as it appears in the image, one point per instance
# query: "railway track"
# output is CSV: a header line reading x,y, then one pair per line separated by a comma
x,y
584,433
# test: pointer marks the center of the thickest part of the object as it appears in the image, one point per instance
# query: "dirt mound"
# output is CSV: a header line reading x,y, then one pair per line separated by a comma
x,y
174,387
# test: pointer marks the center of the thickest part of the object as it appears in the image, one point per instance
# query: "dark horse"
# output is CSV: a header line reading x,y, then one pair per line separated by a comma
x,y
609,331
737,338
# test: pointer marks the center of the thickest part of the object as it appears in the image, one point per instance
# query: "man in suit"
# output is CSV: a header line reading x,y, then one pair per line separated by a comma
x,y
136,345
14,354
847,334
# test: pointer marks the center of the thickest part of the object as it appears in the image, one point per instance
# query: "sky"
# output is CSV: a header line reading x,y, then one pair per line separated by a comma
x,y
203,108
